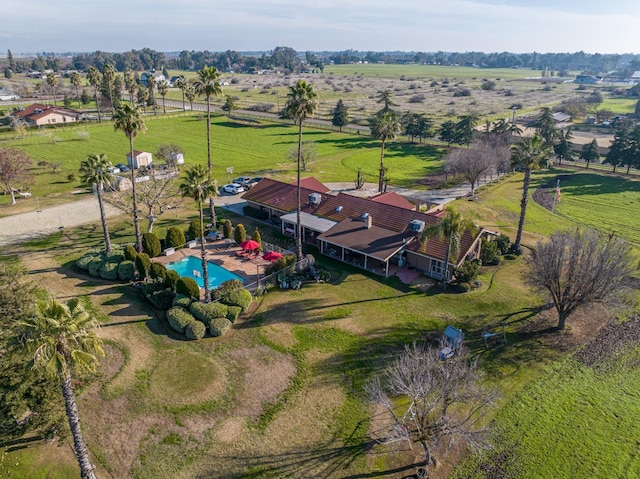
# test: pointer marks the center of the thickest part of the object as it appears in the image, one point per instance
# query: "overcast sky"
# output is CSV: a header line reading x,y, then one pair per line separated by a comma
x,y
377,25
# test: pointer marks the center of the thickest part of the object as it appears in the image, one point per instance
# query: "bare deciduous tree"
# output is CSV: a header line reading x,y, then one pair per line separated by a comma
x,y
156,196
15,170
480,159
308,154
579,267
447,402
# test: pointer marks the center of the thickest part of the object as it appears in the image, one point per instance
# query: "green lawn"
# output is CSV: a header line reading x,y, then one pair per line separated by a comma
x,y
619,106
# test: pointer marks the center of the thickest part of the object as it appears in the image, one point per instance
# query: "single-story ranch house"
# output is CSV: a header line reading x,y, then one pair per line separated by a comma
x,y
40,115
379,235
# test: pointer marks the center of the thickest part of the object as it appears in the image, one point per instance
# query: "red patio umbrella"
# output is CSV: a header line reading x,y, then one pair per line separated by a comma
x,y
271,256
250,245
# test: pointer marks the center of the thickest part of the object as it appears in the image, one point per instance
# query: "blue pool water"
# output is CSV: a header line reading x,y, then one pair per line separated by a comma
x,y
217,274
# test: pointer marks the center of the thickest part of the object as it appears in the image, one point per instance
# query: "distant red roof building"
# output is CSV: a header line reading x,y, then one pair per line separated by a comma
x,y
310,183
39,114
394,199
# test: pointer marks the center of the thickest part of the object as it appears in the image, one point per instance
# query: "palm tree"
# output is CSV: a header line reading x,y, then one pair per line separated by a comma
x,y
151,86
302,101
208,85
163,89
95,171
109,75
451,228
127,119
383,127
182,82
76,81
198,186
95,79
52,82
143,97
62,338
529,154
190,93
130,83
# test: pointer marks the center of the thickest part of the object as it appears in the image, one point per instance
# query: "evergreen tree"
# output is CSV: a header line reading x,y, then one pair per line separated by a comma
x,y
340,115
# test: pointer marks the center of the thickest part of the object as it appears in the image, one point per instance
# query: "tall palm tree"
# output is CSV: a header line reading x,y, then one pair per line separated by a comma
x,y
127,119
151,86
527,155
130,83
109,75
302,101
450,229
182,82
143,97
95,79
76,81
163,89
199,187
208,85
95,171
52,82
383,127
62,338
190,93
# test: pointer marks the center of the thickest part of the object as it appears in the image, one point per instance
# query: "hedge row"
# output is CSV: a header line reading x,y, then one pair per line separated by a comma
x,y
179,318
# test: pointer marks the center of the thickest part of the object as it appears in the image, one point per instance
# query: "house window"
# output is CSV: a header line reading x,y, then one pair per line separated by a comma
x,y
437,268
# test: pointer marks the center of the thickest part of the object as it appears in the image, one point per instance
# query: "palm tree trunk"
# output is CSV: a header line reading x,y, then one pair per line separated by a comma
x,y
203,253
183,106
381,175
103,218
447,253
164,108
212,211
299,203
523,207
136,221
79,446
98,104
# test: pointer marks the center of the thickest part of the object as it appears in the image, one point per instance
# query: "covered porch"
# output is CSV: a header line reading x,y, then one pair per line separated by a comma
x,y
312,226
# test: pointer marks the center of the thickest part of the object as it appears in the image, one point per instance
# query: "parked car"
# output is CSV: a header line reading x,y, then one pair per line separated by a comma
x,y
233,188
242,180
114,169
254,181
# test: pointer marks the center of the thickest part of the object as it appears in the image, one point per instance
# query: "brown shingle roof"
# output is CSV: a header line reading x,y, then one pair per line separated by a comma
x,y
437,249
393,198
311,183
278,195
36,111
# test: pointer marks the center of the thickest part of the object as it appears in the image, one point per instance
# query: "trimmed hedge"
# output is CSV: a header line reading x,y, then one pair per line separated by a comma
x,y
239,234
227,228
171,279
182,300
219,326
126,271
158,271
84,261
241,298
207,312
143,264
116,256
233,312
179,318
175,238
109,271
130,253
188,287
151,244
95,265
161,299
195,330
194,230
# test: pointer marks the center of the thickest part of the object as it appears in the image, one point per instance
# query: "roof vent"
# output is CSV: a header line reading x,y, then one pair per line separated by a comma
x,y
339,208
416,226
364,216
315,198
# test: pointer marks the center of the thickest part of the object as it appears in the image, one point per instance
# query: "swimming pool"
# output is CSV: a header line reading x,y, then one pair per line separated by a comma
x,y
191,267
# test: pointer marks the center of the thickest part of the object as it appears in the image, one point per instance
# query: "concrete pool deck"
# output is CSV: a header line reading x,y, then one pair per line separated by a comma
x,y
217,252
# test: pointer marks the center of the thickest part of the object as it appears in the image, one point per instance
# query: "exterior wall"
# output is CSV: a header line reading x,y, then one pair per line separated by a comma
x,y
55,119
143,159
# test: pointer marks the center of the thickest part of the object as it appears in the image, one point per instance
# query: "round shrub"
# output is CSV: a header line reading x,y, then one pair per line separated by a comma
x,y
503,243
257,238
171,279
130,253
115,256
233,312
175,237
179,318
95,266
126,271
84,261
182,300
462,287
151,244
161,299
510,256
158,271
143,264
195,330
240,234
194,230
488,251
109,271
188,287
219,326
227,228
207,312
240,297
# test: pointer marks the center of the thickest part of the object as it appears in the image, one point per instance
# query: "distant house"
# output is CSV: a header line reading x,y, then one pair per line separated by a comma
x,y
140,158
7,95
378,236
39,114
588,80
561,117
144,78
